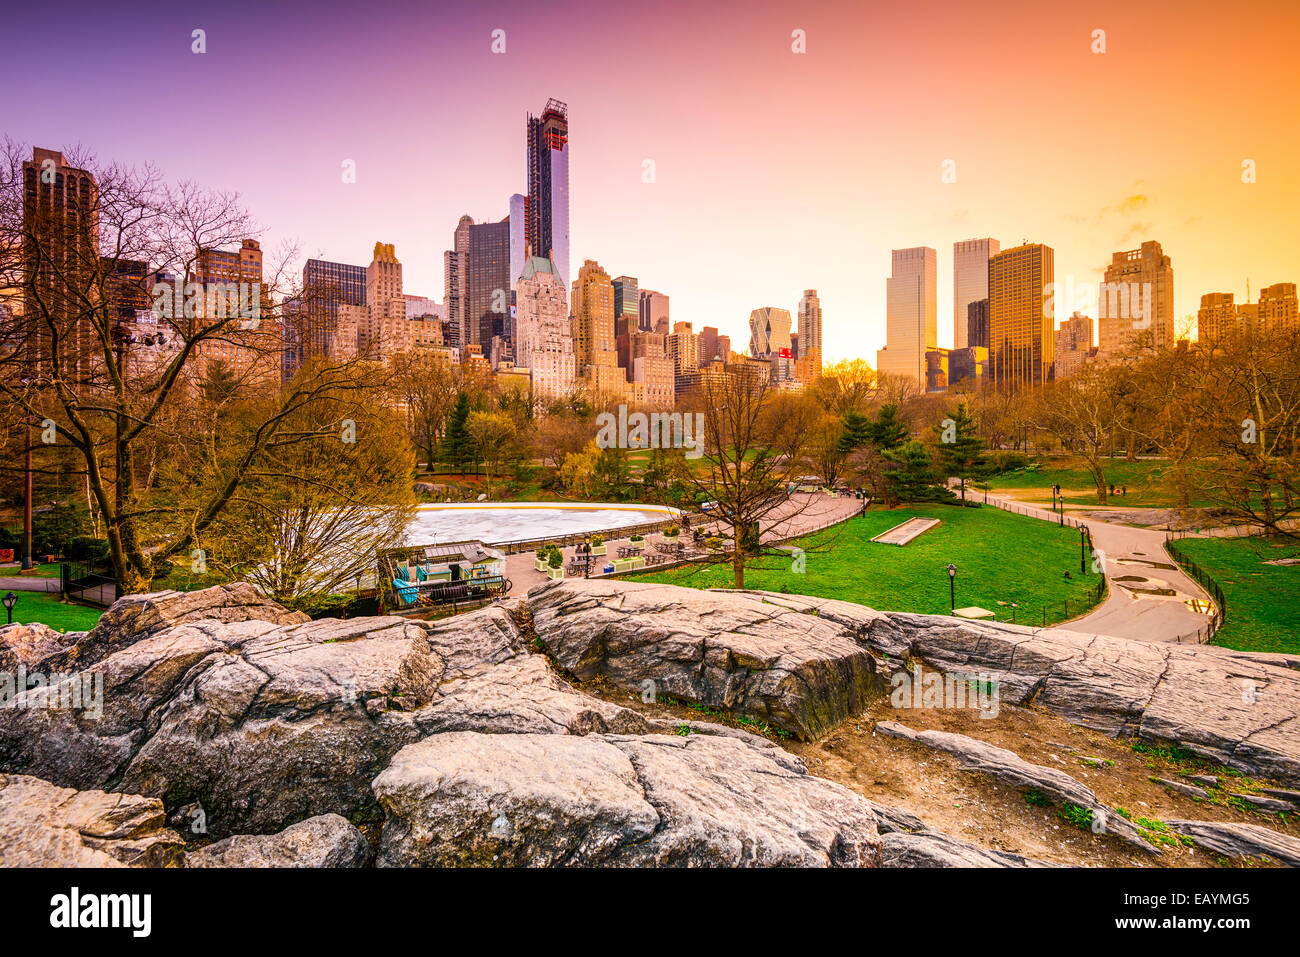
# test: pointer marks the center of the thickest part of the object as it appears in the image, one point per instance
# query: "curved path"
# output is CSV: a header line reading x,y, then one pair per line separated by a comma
x,y
1149,596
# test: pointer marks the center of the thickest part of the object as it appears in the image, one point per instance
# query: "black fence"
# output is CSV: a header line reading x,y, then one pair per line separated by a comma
x,y
88,584
1219,613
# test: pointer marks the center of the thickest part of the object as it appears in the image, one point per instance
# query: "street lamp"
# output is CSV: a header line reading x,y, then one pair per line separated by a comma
x,y
952,587
1083,535
9,601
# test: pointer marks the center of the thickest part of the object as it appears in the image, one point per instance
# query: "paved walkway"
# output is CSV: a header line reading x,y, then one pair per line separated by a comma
x,y
1138,570
805,512
29,583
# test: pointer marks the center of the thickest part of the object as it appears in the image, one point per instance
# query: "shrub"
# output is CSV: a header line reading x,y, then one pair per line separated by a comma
x,y
598,539
84,548
673,531
637,538
556,559
713,542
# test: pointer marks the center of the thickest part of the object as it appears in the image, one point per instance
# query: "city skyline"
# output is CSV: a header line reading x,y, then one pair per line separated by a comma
x,y
830,212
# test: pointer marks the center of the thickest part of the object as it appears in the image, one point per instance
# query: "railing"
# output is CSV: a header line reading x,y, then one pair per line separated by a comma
x,y
624,531
1220,611
435,595
87,585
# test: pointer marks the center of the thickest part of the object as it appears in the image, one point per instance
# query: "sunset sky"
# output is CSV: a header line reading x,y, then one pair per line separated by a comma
x,y
775,171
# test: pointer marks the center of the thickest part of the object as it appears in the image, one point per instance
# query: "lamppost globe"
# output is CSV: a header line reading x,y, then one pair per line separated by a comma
x,y
952,571
9,601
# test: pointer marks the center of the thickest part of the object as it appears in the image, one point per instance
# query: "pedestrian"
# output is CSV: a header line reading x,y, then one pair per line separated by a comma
x,y
1123,491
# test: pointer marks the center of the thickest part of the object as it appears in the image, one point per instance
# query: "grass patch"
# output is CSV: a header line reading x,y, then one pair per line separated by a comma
x,y
1145,480
46,608
1036,798
999,557
1263,614
1080,817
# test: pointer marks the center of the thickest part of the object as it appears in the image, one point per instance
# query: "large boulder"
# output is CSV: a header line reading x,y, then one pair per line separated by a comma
x,y
32,647
1240,709
325,841
726,651
548,800
932,849
135,617
43,825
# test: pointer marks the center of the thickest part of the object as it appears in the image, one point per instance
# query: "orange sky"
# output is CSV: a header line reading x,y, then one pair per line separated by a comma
x,y
775,171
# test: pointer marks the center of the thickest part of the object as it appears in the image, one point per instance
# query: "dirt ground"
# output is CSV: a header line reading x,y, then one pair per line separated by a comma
x,y
975,808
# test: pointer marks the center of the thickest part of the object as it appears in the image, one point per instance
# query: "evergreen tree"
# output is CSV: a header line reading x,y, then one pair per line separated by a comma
x,y
888,431
457,446
910,471
857,431
960,447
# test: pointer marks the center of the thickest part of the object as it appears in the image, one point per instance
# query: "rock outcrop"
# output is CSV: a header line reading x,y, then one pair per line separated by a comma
x,y
612,800
33,647
1240,841
464,744
1240,709
42,825
325,841
714,648
1003,765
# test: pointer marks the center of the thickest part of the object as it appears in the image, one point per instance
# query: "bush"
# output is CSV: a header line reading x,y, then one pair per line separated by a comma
x,y
673,531
556,559
713,542
84,548
598,539
637,538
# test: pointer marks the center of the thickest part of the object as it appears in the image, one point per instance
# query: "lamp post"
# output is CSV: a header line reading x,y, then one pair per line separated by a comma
x,y
952,588
9,601
1083,553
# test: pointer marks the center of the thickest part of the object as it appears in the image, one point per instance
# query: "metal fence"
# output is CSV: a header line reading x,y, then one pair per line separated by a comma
x,y
1220,611
88,584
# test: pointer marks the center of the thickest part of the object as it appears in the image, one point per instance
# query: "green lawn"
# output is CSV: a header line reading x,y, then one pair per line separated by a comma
x,y
48,570
999,557
1262,599
45,607
1147,487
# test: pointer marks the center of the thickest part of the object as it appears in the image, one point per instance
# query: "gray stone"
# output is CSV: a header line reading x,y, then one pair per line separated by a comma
x,y
932,849
1240,840
324,841
799,674
1240,709
42,825
1271,805
464,798
1190,790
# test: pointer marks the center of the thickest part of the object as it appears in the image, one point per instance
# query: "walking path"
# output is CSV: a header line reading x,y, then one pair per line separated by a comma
x,y
1150,597
801,514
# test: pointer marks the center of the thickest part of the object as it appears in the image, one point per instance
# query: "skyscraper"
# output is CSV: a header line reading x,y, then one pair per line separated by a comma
x,y
769,339
455,269
1022,341
543,341
970,282
1073,345
1135,280
810,333
592,322
627,305
314,330
654,312
518,239
547,225
911,312
977,324
487,283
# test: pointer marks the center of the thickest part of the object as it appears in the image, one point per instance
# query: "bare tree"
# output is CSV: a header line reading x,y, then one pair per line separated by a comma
x,y
71,347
